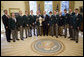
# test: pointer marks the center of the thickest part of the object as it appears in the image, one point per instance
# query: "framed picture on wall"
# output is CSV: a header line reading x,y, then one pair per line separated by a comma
x,y
15,10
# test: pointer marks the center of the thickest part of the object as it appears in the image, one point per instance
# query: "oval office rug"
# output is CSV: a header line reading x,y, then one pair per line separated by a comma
x,y
47,46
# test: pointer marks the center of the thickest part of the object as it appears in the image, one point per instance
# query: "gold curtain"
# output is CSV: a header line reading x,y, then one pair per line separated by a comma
x,y
27,6
41,6
71,5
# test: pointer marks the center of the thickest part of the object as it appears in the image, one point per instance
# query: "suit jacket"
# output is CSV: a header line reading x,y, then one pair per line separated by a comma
x,y
32,19
66,18
26,20
5,20
61,21
20,20
71,18
12,24
45,23
51,20
77,21
56,18
37,22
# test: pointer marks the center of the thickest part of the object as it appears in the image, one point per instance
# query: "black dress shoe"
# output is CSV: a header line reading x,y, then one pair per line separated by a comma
x,y
17,39
43,35
72,39
30,36
76,41
34,34
8,41
13,41
22,39
65,36
69,37
60,35
56,36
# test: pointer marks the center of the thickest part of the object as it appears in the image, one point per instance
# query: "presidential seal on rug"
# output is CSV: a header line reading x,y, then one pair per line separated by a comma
x,y
47,46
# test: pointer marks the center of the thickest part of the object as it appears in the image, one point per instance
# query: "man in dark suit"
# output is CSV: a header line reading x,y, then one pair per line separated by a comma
x,y
44,25
76,25
32,21
20,24
56,17
60,24
26,23
5,19
51,23
37,23
66,18
70,23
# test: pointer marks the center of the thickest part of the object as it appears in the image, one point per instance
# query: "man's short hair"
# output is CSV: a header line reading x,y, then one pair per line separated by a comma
x,y
26,11
50,12
19,10
65,10
4,10
76,9
31,10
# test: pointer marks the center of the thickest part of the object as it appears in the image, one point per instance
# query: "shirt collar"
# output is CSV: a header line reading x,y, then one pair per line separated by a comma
x,y
70,12
13,17
60,15
6,14
31,14
77,14
55,14
44,14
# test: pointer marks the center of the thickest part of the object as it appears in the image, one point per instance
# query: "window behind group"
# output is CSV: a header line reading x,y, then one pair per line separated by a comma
x,y
33,6
48,6
64,5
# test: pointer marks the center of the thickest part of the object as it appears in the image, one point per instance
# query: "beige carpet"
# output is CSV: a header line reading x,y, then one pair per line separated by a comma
x,y
23,48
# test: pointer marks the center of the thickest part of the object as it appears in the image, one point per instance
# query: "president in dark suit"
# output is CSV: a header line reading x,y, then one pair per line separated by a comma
x,y
5,19
45,23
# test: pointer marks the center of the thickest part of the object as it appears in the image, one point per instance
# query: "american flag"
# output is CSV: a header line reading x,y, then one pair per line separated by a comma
x,y
57,7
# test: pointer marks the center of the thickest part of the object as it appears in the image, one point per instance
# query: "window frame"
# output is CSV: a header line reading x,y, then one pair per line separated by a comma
x,y
30,9
52,7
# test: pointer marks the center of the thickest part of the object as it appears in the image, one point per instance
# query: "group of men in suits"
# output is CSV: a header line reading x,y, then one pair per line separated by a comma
x,y
50,23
